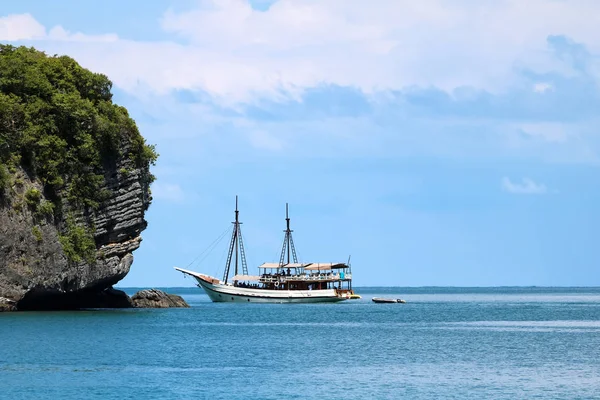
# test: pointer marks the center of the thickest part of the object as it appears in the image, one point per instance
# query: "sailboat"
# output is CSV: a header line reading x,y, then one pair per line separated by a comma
x,y
287,281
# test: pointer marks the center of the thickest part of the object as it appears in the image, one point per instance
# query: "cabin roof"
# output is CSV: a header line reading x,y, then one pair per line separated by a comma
x,y
324,266
290,265
306,266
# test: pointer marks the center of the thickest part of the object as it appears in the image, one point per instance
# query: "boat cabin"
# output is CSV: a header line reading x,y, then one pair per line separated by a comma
x,y
299,276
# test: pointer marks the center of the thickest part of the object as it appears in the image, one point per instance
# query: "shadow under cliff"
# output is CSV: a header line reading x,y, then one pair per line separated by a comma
x,y
48,300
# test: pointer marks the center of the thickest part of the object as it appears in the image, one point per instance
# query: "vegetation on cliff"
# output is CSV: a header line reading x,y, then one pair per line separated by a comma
x,y
59,125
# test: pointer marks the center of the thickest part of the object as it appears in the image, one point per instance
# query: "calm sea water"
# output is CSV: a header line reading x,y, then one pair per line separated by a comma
x,y
500,343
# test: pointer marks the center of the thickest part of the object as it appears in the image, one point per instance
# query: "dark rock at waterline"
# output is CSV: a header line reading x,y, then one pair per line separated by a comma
x,y
109,298
153,298
44,300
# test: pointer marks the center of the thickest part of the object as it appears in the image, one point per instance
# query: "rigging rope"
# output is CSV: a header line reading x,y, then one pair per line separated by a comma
x,y
210,247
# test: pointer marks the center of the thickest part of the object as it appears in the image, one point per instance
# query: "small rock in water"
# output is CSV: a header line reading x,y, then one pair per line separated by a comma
x,y
153,298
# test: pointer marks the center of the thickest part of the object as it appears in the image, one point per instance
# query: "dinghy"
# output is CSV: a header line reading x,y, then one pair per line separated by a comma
x,y
384,300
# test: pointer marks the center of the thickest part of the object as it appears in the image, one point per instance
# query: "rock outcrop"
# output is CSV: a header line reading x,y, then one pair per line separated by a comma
x,y
34,270
153,298
74,185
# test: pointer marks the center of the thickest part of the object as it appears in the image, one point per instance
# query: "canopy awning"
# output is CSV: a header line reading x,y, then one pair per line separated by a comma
x,y
324,266
276,265
306,266
294,265
269,265
245,278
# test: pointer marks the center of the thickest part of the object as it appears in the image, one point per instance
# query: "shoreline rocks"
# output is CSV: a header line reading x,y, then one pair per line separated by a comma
x,y
106,299
154,298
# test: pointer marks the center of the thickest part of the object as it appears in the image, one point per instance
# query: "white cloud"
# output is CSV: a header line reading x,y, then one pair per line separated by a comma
x,y
167,191
526,186
542,87
20,27
58,33
239,54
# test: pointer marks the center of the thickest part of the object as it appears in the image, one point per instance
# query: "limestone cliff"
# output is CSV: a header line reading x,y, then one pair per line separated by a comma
x,y
74,183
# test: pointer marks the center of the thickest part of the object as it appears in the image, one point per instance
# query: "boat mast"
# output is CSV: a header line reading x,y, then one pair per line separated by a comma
x,y
237,224
236,246
288,243
288,232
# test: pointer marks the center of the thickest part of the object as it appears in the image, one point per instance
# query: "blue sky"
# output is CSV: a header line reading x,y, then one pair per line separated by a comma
x,y
438,143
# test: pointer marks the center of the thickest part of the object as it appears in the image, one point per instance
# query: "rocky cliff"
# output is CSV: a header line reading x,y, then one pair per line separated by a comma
x,y
74,183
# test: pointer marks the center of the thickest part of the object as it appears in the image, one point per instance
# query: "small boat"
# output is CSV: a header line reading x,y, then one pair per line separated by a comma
x,y
384,300
355,297
287,281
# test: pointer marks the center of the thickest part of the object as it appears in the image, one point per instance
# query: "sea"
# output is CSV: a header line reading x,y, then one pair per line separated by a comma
x,y
443,343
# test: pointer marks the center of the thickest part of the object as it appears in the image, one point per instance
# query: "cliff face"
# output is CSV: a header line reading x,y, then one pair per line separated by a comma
x,y
34,270
72,194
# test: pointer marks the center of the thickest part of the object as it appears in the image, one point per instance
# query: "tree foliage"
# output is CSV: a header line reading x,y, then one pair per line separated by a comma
x,y
4,179
58,122
78,242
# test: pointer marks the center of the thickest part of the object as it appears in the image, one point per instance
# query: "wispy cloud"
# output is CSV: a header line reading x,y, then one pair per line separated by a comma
x,y
18,27
526,186
237,53
335,78
542,87
550,132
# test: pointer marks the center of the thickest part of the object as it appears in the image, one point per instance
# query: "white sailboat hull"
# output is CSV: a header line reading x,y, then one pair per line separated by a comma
x,y
229,293
221,293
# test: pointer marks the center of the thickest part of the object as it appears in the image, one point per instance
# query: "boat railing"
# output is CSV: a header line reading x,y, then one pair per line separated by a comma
x,y
304,277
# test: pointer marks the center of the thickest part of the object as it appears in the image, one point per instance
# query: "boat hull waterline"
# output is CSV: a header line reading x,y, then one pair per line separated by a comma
x,y
225,293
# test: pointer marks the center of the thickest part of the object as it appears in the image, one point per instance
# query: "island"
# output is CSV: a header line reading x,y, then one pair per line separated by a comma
x,y
74,185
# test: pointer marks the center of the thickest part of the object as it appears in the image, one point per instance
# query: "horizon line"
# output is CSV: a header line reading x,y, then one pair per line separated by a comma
x,y
412,287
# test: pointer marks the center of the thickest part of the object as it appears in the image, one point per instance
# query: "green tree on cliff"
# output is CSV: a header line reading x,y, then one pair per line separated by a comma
x,y
58,123
59,126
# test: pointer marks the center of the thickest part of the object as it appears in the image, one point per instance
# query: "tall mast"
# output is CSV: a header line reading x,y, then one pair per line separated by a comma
x,y
237,228
288,248
288,232
236,247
